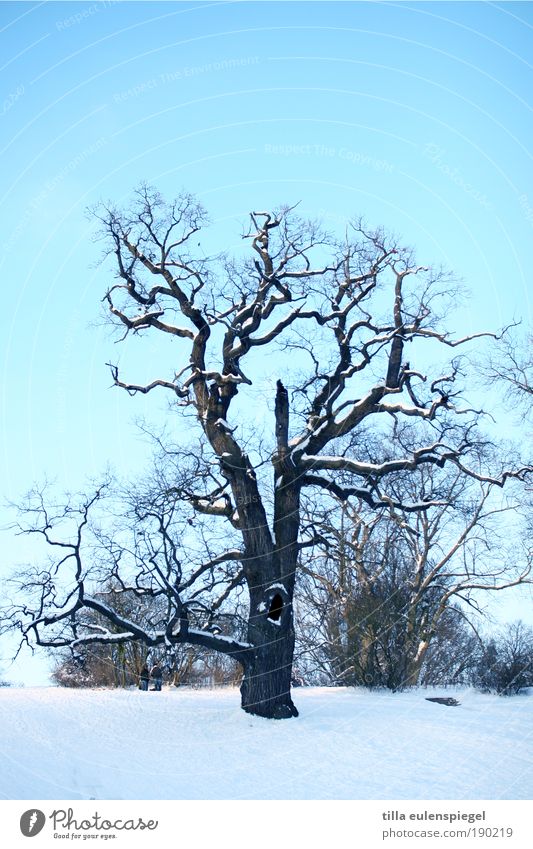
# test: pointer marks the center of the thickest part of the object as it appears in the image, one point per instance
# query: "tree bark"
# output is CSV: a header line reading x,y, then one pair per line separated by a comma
x,y
266,685
414,666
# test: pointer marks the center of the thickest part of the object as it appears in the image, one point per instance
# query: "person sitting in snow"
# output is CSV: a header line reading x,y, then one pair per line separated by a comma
x,y
157,675
144,677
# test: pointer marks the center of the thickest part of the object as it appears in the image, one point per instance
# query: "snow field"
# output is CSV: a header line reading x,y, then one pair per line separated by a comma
x,y
58,743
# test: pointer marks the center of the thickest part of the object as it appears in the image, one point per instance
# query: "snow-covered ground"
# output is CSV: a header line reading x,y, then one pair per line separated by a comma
x,y
198,744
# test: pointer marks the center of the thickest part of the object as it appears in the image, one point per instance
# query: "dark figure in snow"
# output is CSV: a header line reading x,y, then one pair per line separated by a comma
x,y
157,676
144,678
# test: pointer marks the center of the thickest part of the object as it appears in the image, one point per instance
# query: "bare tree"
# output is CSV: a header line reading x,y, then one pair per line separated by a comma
x,y
107,664
454,652
511,365
506,664
120,665
386,588
3,682
343,313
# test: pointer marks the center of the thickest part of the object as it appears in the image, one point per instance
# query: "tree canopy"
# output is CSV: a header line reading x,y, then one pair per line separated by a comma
x,y
355,331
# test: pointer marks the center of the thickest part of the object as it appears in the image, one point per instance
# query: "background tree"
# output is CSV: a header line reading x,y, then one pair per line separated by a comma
x,y
346,310
454,652
3,682
506,664
512,365
107,664
382,587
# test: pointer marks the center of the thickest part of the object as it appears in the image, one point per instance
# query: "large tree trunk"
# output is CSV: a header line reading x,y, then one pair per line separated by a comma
x,y
266,685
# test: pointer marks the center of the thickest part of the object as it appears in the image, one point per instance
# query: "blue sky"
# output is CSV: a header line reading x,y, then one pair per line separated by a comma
x,y
416,115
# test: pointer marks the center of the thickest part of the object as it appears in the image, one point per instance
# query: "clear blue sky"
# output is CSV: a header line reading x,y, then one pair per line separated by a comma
x,y
416,115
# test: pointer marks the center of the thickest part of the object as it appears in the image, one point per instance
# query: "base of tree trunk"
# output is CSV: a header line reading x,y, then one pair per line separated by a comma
x,y
267,698
266,683
281,710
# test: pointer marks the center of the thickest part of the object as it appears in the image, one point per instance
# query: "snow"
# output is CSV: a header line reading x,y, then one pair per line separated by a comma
x,y
197,744
206,503
331,458
222,423
124,620
398,407
339,421
229,640
320,428
276,587
299,444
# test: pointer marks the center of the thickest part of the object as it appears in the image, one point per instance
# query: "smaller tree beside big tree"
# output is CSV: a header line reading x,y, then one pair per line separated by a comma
x,y
386,586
